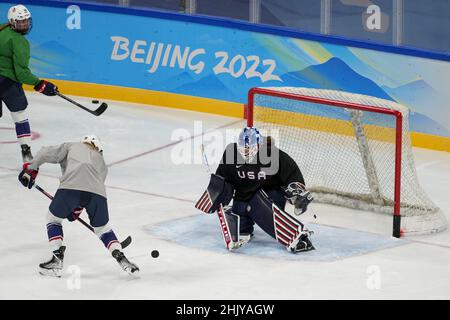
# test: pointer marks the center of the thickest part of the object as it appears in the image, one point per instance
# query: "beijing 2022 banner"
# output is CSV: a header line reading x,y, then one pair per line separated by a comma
x,y
222,63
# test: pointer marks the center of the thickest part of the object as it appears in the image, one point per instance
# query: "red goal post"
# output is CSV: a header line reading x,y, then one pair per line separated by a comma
x,y
376,130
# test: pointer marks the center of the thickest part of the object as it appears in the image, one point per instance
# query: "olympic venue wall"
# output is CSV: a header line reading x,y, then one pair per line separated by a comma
x,y
208,64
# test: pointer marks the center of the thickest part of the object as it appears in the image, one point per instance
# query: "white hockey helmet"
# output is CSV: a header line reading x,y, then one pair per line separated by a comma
x,y
20,19
248,143
94,141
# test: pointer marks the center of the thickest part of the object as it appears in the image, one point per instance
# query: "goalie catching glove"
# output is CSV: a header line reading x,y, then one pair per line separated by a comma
x,y
27,176
296,194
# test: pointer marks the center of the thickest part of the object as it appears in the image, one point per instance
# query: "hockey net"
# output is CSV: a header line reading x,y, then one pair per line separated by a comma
x,y
353,150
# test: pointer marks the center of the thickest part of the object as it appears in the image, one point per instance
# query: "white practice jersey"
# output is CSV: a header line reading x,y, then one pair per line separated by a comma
x,y
83,167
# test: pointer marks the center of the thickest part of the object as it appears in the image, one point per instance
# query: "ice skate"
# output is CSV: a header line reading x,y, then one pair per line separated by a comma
x,y
244,238
301,243
26,153
54,266
126,265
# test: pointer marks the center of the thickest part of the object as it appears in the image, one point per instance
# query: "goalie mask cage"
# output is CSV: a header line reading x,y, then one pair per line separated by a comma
x,y
353,150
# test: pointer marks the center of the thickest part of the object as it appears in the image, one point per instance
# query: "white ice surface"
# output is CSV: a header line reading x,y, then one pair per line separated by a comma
x,y
152,200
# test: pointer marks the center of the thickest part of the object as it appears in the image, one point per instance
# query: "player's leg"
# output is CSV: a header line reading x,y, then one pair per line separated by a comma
x,y
60,208
235,224
242,209
4,84
235,227
279,224
54,266
277,197
97,208
16,102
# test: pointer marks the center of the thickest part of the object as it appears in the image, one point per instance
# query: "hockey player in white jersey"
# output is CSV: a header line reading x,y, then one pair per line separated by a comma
x,y
81,186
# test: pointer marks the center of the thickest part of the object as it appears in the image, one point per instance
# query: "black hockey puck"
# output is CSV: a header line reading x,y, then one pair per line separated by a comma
x,y
95,101
155,253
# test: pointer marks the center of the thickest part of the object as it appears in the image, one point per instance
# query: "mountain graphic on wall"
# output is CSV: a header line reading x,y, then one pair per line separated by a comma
x,y
172,83
50,59
53,52
210,83
420,97
334,74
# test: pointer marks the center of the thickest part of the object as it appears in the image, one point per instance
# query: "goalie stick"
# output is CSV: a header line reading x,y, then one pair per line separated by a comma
x,y
125,243
225,229
95,112
229,243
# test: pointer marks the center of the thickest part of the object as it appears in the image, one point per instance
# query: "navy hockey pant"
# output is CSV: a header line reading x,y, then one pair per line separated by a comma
x,y
66,200
12,94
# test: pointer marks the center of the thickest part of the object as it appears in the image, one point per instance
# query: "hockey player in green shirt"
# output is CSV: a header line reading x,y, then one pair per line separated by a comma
x,y
14,71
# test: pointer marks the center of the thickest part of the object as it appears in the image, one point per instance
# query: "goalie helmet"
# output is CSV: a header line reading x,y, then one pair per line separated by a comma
x,y
20,19
94,141
248,143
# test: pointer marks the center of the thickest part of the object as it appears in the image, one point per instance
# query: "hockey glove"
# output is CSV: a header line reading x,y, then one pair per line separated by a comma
x,y
75,214
27,176
218,192
296,194
47,88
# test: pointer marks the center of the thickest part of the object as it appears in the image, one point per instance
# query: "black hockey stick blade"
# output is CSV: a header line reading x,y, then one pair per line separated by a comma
x,y
125,243
101,109
95,112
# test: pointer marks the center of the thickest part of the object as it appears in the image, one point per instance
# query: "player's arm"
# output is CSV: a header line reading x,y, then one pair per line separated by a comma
x,y
52,154
293,184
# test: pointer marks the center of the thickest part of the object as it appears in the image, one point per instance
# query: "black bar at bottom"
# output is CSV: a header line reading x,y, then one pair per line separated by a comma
x,y
396,230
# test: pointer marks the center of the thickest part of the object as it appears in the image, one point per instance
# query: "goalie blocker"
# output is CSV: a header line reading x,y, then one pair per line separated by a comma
x,y
280,225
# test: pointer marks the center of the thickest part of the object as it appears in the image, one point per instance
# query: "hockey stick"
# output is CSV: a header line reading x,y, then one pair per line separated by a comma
x,y
205,160
125,243
229,243
96,112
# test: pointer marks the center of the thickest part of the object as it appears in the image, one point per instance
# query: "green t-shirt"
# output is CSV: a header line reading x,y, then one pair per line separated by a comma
x,y
15,57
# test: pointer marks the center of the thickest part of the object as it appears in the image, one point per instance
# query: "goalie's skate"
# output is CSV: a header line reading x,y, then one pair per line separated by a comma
x,y
301,243
243,239
126,265
54,266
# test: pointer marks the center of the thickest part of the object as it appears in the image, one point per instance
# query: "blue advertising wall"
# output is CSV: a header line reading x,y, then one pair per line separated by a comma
x,y
172,61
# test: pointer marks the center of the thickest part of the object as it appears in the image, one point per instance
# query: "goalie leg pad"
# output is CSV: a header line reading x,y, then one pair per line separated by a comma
x,y
218,192
277,197
230,226
242,209
274,221
233,221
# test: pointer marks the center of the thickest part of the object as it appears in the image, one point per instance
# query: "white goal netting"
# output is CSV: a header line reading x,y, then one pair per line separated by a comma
x,y
347,156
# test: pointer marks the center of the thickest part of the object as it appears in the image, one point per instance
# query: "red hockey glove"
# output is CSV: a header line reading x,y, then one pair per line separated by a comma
x,y
27,176
75,214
